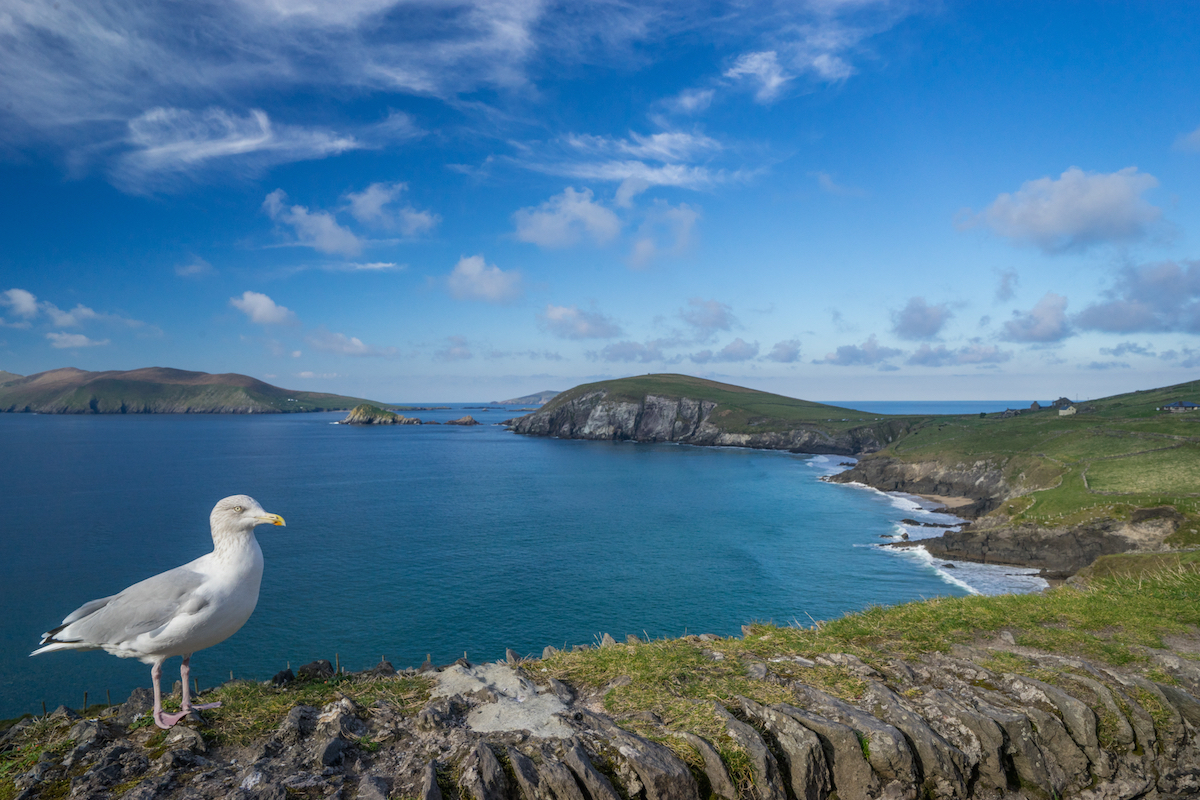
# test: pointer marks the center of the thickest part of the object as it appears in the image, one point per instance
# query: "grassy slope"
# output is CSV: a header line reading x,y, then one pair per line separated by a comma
x,y
740,410
74,391
1107,462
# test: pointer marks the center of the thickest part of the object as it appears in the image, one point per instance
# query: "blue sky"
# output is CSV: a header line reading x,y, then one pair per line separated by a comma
x,y
434,200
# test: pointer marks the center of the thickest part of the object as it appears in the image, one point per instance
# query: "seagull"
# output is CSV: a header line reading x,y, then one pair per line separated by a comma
x,y
180,611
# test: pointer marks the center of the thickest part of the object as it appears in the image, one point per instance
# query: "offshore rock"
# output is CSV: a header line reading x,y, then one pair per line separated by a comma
x,y
367,414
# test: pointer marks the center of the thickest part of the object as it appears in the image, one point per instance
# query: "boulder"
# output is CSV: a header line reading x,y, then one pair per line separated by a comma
x,y
800,749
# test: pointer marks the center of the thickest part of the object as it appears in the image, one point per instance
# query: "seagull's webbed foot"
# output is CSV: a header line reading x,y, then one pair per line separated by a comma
x,y
165,720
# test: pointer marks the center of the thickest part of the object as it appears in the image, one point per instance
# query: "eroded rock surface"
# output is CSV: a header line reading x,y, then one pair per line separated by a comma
x,y
938,726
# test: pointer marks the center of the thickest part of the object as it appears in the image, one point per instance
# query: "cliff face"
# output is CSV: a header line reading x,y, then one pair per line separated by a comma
x,y
687,421
1061,551
982,481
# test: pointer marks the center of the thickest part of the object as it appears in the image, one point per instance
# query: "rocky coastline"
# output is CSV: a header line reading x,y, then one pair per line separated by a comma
x,y
685,420
958,725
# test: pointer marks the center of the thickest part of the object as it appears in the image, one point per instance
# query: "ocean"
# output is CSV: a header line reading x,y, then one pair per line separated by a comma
x,y
405,542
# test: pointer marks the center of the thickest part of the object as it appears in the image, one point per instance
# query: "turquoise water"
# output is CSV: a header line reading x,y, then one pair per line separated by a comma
x,y
407,541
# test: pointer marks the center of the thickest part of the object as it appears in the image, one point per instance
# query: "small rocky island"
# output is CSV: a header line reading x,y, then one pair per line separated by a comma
x,y
367,414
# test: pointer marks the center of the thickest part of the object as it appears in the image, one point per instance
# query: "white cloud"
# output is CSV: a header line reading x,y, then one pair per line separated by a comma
x,y
737,350
322,375
68,319
318,229
785,352
262,309
918,320
370,266
666,231
637,162
762,69
71,340
869,353
329,342
1045,322
474,279
22,303
568,322
1164,296
565,218
1075,211
706,317
373,206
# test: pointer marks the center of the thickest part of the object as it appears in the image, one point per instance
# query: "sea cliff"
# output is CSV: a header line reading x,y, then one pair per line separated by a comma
x,y
688,420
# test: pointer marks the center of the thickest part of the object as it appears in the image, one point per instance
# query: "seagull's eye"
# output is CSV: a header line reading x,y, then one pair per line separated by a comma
x,y
238,508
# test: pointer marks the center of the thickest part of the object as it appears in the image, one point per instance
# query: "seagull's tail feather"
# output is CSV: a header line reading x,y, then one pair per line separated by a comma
x,y
53,646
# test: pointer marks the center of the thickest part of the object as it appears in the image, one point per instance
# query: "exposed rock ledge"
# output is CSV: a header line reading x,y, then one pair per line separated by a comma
x,y
939,726
688,421
1060,551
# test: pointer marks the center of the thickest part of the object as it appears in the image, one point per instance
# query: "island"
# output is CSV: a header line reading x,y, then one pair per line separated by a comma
x,y
1051,488
156,390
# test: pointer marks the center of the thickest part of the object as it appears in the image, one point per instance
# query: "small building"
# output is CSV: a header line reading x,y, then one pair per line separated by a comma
x,y
1069,411
1035,406
1180,407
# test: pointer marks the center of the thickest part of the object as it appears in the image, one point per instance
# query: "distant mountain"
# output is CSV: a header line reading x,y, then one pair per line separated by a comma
x,y
156,390
535,399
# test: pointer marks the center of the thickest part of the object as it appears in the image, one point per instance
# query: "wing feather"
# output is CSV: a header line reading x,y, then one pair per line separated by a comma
x,y
145,606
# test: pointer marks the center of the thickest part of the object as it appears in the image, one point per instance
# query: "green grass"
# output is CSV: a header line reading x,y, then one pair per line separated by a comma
x,y
739,410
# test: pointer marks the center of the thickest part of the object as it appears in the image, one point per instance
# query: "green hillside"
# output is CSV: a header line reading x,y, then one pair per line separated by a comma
x,y
157,390
740,410
1116,454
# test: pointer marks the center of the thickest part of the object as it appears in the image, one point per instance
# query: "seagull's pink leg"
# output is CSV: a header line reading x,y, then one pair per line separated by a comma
x,y
161,719
185,672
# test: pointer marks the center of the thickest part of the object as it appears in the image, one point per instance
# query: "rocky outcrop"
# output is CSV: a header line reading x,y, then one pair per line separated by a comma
x,y
935,726
367,414
467,420
1061,551
982,481
690,421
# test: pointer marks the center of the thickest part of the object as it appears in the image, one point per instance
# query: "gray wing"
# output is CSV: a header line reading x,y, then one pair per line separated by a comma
x,y
143,607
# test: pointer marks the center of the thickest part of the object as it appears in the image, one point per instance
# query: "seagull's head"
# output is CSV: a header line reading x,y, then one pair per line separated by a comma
x,y
241,513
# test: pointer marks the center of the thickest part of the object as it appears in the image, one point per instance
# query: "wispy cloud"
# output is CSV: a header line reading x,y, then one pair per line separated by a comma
x,y
73,340
737,350
974,353
665,231
339,343
569,322
166,142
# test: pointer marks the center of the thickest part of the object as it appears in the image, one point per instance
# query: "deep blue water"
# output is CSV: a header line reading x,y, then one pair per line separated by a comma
x,y
407,541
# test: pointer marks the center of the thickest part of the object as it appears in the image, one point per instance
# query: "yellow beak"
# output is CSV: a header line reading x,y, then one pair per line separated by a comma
x,y
274,519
